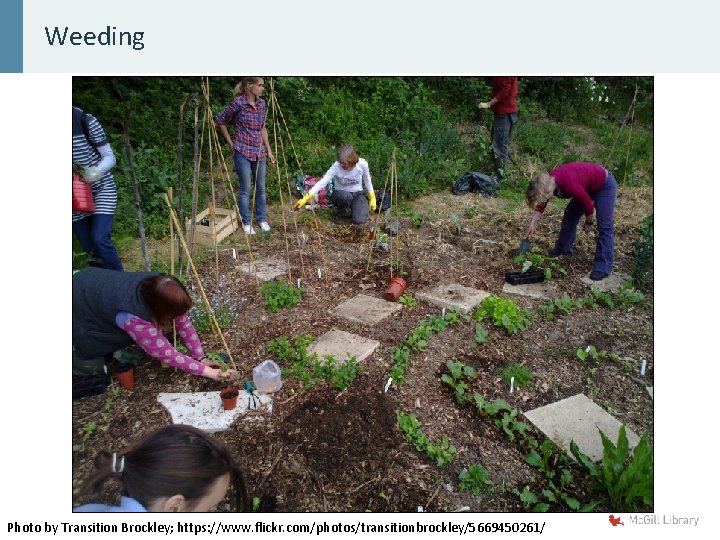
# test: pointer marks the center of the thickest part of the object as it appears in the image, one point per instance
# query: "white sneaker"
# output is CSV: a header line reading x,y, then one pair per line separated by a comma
x,y
264,226
248,229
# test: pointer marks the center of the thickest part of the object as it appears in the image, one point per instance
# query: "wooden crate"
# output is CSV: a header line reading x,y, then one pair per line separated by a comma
x,y
225,224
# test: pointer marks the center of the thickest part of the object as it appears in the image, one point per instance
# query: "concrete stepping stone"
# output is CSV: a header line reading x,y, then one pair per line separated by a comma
x,y
340,344
578,419
204,410
612,283
453,296
365,309
266,269
544,289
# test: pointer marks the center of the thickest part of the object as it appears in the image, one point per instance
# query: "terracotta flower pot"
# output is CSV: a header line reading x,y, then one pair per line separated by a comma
x,y
395,289
229,398
125,375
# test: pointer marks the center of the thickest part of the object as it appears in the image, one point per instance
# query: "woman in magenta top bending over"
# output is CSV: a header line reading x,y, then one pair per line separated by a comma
x,y
592,191
112,310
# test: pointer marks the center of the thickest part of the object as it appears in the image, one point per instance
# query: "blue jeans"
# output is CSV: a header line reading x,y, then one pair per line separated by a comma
x,y
501,131
247,171
356,202
93,233
604,199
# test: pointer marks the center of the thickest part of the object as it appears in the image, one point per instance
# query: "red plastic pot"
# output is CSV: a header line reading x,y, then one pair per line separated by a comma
x,y
395,289
126,376
229,398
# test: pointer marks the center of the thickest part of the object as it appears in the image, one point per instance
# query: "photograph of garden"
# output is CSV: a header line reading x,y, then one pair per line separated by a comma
x,y
427,293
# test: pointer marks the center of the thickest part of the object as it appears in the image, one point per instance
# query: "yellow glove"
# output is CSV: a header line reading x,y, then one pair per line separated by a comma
x,y
302,202
373,202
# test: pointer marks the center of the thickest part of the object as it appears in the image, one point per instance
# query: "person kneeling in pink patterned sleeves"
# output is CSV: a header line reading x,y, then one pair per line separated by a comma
x,y
112,310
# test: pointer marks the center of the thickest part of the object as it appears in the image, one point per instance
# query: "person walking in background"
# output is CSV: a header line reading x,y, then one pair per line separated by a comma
x,y
350,174
503,104
251,149
112,310
92,155
592,191
177,468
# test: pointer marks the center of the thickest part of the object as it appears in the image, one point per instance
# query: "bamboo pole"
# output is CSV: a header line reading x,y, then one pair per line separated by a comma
x,y
206,302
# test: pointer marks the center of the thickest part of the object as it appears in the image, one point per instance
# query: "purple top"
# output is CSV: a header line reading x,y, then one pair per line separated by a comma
x,y
577,180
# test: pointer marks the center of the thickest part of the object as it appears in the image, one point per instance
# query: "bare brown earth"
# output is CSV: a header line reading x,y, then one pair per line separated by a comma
x,y
325,450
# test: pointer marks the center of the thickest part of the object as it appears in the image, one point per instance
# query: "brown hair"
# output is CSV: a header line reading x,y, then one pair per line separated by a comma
x,y
539,190
242,87
166,298
174,460
346,152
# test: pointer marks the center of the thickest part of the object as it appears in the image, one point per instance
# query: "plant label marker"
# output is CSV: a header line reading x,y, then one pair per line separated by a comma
x,y
420,509
319,274
387,384
642,367
298,283
443,312
512,384
234,253
587,349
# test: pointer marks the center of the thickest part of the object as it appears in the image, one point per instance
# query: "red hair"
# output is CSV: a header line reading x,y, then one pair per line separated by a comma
x,y
166,298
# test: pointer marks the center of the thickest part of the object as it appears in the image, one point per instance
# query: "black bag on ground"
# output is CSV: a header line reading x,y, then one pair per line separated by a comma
x,y
382,199
475,182
89,377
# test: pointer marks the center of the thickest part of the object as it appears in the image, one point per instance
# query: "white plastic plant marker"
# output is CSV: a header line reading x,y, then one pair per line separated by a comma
x,y
420,509
387,384
298,283
234,253
512,384
443,312
642,367
319,274
587,349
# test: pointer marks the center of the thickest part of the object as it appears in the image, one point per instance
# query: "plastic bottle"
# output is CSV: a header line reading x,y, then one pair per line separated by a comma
x,y
266,377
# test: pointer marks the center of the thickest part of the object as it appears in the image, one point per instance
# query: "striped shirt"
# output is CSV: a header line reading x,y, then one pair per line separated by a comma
x,y
85,155
248,123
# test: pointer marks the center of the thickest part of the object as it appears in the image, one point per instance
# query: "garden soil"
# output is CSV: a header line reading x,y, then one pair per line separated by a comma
x,y
325,450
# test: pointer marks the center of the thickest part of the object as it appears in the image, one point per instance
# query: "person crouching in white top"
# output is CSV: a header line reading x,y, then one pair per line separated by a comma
x,y
350,173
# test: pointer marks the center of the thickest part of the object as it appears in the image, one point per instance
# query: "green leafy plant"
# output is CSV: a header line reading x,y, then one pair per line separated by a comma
x,y
536,260
279,294
308,368
643,254
441,453
625,479
562,304
591,352
474,479
219,359
481,334
530,501
503,313
457,379
522,375
221,307
407,300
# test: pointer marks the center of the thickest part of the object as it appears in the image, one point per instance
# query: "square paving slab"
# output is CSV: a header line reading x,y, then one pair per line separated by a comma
x,y
544,289
340,344
364,309
204,410
611,283
578,419
266,269
453,296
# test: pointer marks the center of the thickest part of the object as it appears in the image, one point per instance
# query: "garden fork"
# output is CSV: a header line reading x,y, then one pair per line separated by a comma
x,y
252,396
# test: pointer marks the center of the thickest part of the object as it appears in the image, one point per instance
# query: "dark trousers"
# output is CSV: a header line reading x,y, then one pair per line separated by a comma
x,y
93,233
501,130
355,201
604,199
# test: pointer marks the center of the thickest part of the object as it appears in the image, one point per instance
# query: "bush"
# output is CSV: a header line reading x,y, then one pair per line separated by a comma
x,y
643,255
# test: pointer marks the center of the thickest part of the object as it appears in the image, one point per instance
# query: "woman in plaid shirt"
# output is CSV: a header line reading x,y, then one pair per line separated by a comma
x,y
251,148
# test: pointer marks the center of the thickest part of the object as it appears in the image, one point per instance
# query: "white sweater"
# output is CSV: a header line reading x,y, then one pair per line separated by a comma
x,y
351,180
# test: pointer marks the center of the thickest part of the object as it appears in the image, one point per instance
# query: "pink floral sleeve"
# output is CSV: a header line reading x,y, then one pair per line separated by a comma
x,y
155,344
189,336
